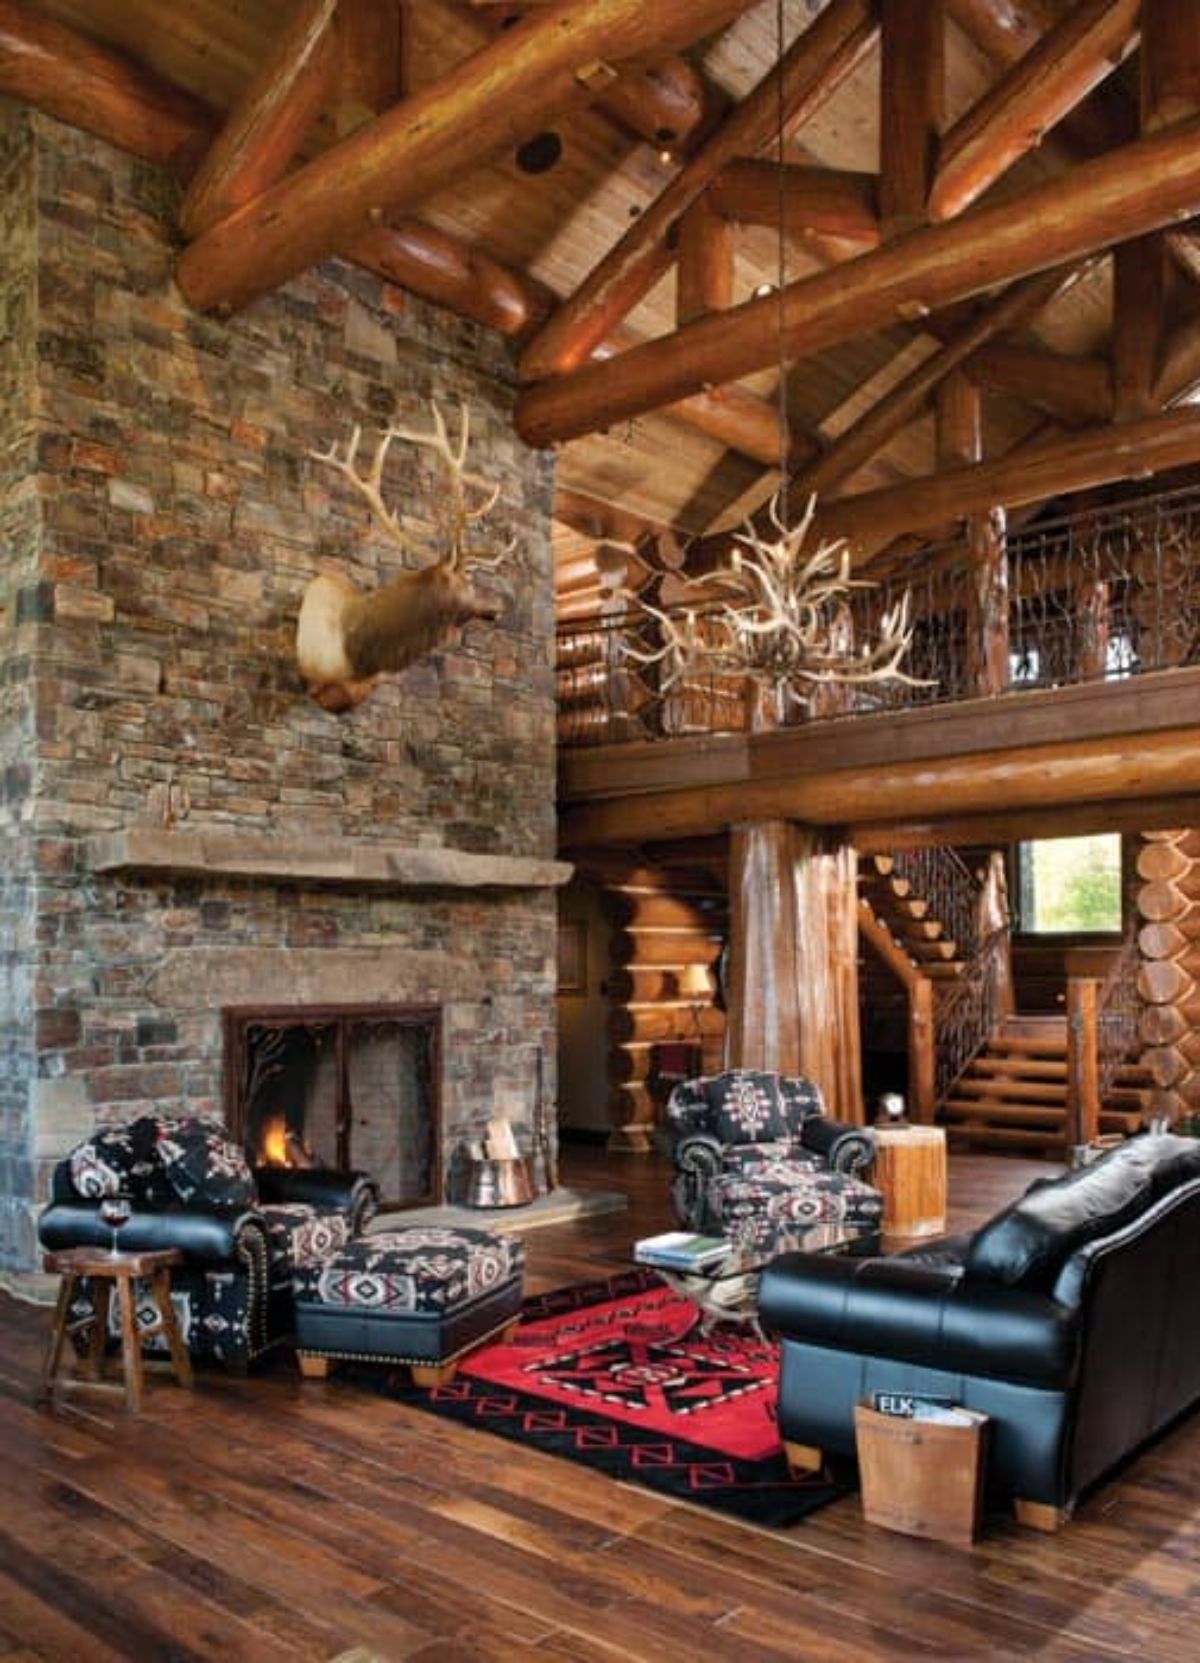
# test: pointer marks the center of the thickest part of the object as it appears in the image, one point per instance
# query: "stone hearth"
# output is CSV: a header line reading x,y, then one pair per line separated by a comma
x,y
181,829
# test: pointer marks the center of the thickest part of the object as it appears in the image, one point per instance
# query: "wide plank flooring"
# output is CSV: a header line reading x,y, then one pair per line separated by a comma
x,y
263,1519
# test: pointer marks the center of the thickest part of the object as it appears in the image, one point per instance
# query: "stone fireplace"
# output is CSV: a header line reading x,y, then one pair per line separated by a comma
x,y
183,833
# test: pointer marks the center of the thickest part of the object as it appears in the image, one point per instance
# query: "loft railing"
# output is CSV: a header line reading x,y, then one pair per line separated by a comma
x,y
1098,595
1118,1011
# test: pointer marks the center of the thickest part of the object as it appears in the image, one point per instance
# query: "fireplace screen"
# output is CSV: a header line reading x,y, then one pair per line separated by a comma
x,y
340,1086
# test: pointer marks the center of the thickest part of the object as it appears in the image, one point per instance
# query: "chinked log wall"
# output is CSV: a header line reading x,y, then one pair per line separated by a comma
x,y
1168,900
665,919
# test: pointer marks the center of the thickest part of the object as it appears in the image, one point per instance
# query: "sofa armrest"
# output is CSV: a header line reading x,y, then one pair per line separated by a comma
x,y
846,1149
326,1188
922,1314
697,1159
203,1237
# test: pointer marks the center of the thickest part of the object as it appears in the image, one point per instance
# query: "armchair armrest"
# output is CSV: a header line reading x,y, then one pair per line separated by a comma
x,y
352,1193
203,1237
846,1149
697,1159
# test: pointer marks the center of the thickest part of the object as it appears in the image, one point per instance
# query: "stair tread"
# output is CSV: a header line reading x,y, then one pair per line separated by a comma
x,y
999,1090
972,1109
1031,1068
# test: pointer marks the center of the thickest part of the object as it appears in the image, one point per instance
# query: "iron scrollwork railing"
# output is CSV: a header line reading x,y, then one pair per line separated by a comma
x,y
1118,1010
942,878
1104,594
965,1019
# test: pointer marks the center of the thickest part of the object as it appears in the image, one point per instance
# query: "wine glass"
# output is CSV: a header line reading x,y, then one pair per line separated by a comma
x,y
115,1211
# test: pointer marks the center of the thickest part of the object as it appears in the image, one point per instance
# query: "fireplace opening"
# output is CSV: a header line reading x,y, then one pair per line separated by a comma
x,y
345,1086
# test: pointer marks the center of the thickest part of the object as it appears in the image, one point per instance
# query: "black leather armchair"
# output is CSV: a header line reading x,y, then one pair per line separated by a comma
x,y
1067,1319
240,1242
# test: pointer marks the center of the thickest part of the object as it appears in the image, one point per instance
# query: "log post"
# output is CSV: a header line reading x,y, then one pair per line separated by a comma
x,y
1170,62
911,98
960,439
704,276
793,995
1083,1061
922,1053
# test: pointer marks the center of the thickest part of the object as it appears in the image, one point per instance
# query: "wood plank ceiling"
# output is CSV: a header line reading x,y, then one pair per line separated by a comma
x,y
659,467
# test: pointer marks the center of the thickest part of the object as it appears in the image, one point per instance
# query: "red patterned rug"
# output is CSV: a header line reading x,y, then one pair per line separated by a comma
x,y
616,1375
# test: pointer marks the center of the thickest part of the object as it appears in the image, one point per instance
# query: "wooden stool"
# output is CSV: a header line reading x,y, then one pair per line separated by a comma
x,y
105,1269
910,1171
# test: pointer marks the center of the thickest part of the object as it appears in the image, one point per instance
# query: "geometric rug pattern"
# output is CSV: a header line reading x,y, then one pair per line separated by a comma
x,y
616,1375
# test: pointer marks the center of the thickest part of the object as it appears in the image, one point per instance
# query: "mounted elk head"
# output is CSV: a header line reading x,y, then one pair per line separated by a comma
x,y
345,639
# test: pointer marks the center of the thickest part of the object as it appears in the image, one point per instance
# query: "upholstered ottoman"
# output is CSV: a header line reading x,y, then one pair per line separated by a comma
x,y
421,1295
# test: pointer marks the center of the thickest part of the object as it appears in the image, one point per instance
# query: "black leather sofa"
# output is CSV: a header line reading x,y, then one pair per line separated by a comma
x,y
1069,1319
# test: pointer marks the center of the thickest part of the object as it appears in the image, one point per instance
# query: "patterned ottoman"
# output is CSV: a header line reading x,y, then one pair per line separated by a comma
x,y
421,1295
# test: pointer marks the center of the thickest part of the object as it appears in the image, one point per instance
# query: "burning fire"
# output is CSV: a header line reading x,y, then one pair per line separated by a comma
x,y
278,1146
273,1142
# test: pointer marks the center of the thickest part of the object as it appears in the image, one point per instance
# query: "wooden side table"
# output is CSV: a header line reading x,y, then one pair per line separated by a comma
x,y
910,1170
105,1271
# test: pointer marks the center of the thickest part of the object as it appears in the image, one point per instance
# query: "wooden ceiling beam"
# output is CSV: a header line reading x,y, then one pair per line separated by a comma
x,y
95,87
1134,190
1099,456
496,97
266,125
827,200
374,40
1055,75
1078,391
865,437
811,69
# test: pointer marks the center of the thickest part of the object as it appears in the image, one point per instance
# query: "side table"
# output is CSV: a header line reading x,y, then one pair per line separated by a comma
x,y
105,1271
910,1171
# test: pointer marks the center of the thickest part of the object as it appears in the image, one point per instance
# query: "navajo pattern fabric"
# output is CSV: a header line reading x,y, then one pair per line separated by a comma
x,y
203,1166
766,1207
298,1234
122,1160
744,1106
422,1268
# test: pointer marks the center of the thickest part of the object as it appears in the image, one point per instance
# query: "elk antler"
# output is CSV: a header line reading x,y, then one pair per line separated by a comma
x,y
344,639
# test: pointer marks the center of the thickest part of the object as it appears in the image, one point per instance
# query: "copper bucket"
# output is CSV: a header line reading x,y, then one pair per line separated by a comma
x,y
499,1183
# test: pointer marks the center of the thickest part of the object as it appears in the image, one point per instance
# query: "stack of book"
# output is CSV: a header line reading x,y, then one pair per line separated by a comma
x,y
680,1250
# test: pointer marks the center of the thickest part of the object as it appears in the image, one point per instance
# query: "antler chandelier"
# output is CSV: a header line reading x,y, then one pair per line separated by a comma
x,y
779,619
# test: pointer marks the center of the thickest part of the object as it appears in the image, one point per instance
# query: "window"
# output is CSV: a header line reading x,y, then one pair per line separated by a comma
x,y
1071,884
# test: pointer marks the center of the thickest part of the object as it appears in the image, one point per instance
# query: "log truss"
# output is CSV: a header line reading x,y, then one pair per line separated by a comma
x,y
958,250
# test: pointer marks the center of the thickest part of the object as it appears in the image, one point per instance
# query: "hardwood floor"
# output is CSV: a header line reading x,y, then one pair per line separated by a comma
x,y
263,1519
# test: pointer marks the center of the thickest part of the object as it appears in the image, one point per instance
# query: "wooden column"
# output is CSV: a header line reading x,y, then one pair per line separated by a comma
x,y
793,997
960,439
1083,1061
1170,62
704,276
1139,298
912,75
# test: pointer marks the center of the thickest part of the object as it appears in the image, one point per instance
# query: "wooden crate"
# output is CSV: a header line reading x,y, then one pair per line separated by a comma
x,y
924,1478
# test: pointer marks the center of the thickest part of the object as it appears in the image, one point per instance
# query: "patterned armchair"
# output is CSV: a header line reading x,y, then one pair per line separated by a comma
x,y
757,1159
241,1233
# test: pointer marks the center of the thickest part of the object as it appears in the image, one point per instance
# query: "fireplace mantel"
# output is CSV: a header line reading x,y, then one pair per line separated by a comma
x,y
383,865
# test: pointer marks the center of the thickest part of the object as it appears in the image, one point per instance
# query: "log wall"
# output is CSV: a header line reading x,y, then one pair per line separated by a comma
x,y
1168,903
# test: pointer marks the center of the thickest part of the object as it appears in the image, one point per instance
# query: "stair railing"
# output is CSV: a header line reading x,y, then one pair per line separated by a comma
x,y
1102,1029
940,876
968,1014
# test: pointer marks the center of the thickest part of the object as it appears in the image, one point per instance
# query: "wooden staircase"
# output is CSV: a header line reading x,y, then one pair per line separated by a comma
x,y
1014,1093
908,918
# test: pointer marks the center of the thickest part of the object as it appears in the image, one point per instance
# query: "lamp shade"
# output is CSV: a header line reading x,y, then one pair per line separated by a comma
x,y
695,982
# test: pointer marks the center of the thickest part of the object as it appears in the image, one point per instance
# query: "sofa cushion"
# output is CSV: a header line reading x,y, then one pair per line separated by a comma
x,y
203,1167
746,1106
1027,1244
297,1233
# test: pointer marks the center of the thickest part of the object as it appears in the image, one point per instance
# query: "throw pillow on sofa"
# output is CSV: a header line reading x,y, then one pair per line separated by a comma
x,y
203,1167
121,1160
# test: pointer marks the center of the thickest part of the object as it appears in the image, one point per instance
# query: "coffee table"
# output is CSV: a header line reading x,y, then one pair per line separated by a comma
x,y
726,1290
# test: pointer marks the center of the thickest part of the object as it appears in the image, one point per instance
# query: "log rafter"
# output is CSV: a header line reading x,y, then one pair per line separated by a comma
x,y
1144,185
497,97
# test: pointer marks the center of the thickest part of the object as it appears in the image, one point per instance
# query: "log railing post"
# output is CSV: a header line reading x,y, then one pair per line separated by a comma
x,y
1083,1061
922,1048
